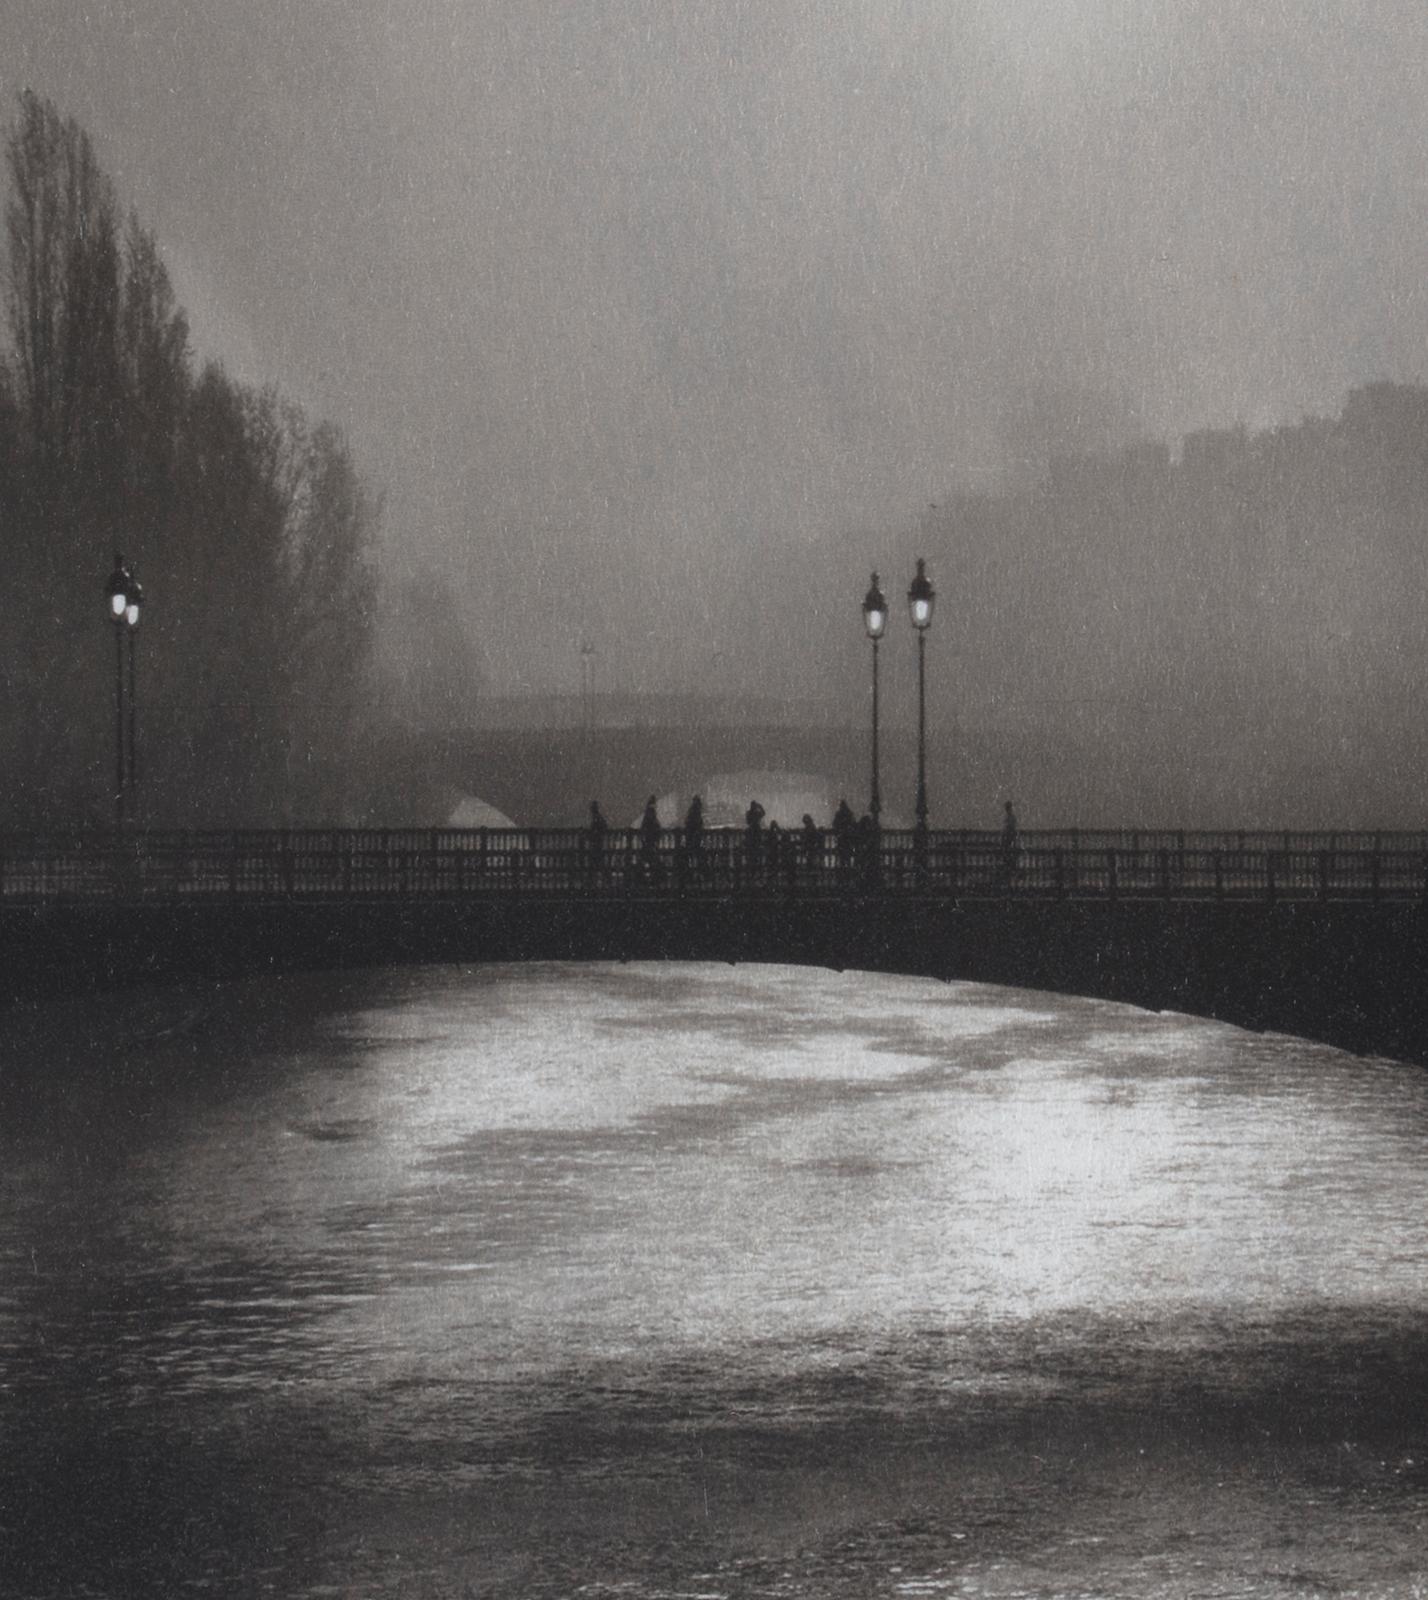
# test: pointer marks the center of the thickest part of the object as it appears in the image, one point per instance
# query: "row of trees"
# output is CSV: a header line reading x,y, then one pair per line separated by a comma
x,y
249,526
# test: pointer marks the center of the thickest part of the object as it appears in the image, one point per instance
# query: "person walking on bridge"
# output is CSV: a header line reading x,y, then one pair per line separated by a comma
x,y
694,839
1011,845
650,831
595,842
753,838
844,825
811,843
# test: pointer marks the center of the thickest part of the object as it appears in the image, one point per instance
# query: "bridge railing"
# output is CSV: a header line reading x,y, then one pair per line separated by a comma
x,y
424,862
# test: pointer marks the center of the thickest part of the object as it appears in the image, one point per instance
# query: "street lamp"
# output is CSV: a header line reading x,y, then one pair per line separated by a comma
x,y
875,621
125,596
134,605
921,597
116,591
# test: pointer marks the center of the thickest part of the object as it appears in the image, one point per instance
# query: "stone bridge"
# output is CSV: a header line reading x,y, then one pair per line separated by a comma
x,y
1324,936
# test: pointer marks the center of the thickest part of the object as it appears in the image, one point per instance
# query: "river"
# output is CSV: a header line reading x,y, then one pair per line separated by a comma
x,y
681,1280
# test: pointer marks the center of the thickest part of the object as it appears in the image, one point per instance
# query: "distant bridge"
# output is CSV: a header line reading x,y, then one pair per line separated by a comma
x,y
1323,935
546,777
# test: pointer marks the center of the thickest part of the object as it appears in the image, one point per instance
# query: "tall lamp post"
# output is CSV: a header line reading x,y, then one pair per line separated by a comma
x,y
135,605
125,596
875,621
921,597
116,591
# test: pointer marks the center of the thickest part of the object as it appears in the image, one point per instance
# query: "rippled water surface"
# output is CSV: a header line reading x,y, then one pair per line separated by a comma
x,y
690,1280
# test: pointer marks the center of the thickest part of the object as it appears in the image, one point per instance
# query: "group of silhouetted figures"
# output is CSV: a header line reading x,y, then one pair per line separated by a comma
x,y
850,845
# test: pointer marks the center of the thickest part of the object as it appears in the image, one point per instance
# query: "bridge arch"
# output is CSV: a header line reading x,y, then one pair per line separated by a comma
x,y
545,778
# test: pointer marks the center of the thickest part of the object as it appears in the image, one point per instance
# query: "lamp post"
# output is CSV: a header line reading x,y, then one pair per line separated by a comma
x,y
125,596
135,605
921,597
116,591
875,621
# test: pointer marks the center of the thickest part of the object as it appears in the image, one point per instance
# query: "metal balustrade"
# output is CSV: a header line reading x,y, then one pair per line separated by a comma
x,y
357,864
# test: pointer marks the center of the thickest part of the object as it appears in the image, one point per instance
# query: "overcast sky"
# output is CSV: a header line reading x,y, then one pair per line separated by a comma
x,y
614,297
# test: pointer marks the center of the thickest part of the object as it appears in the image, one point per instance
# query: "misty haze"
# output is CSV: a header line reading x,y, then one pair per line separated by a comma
x,y
712,827
652,332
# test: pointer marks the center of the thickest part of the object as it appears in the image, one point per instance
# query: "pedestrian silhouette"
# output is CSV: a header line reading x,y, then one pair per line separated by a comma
x,y
1011,845
595,840
694,838
843,827
753,841
811,841
649,839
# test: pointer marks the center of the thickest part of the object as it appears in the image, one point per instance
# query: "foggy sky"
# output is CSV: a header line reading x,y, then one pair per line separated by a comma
x,y
621,300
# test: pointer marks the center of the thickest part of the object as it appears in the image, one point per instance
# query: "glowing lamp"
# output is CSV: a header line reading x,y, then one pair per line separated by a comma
x,y
117,589
921,597
875,611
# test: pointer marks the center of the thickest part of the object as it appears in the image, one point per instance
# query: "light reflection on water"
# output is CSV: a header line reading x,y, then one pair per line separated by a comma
x,y
475,1224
